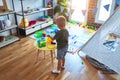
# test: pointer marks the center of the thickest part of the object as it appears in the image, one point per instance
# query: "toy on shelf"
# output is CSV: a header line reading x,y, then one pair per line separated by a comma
x,y
32,22
44,18
27,11
30,10
24,23
2,38
49,4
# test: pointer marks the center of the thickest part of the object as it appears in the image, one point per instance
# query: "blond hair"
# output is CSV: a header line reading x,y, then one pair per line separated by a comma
x,y
61,21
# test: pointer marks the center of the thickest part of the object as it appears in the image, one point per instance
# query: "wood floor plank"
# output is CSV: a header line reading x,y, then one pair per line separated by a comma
x,y
17,62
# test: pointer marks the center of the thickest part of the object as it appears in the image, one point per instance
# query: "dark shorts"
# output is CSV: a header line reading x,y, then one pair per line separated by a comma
x,y
61,52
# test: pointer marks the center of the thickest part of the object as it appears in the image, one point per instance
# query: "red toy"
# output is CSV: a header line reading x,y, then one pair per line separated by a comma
x,y
32,22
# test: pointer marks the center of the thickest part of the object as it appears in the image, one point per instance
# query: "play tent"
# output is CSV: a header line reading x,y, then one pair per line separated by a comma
x,y
104,46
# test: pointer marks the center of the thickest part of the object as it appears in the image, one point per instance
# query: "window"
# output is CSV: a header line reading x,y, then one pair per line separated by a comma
x,y
104,10
80,10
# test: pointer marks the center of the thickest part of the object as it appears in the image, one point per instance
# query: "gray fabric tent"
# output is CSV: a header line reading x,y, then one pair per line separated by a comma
x,y
96,47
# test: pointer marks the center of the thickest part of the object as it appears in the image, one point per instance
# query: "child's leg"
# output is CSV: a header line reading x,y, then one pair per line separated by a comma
x,y
63,59
58,67
63,62
59,64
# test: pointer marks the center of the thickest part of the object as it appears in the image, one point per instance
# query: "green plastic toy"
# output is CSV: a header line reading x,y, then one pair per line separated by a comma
x,y
43,43
38,43
40,34
64,3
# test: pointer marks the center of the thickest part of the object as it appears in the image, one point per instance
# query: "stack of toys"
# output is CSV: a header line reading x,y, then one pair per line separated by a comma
x,y
43,40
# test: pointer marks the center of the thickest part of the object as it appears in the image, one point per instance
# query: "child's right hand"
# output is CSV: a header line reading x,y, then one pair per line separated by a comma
x,y
50,38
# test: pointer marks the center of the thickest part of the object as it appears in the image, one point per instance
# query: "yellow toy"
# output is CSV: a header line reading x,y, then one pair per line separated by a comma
x,y
49,40
51,46
50,43
24,23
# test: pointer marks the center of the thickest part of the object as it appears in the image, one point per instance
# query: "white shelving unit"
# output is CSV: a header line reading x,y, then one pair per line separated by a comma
x,y
37,11
9,39
7,12
39,24
10,27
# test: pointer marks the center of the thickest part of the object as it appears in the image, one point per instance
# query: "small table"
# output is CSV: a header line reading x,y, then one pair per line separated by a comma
x,y
48,47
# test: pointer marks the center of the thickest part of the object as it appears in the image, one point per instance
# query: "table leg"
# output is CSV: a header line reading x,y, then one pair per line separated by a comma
x,y
37,57
54,54
52,58
44,54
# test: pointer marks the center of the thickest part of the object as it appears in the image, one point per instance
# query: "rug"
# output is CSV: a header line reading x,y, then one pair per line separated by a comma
x,y
78,36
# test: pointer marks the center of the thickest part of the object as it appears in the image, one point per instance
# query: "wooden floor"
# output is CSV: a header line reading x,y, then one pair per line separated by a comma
x,y
17,62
